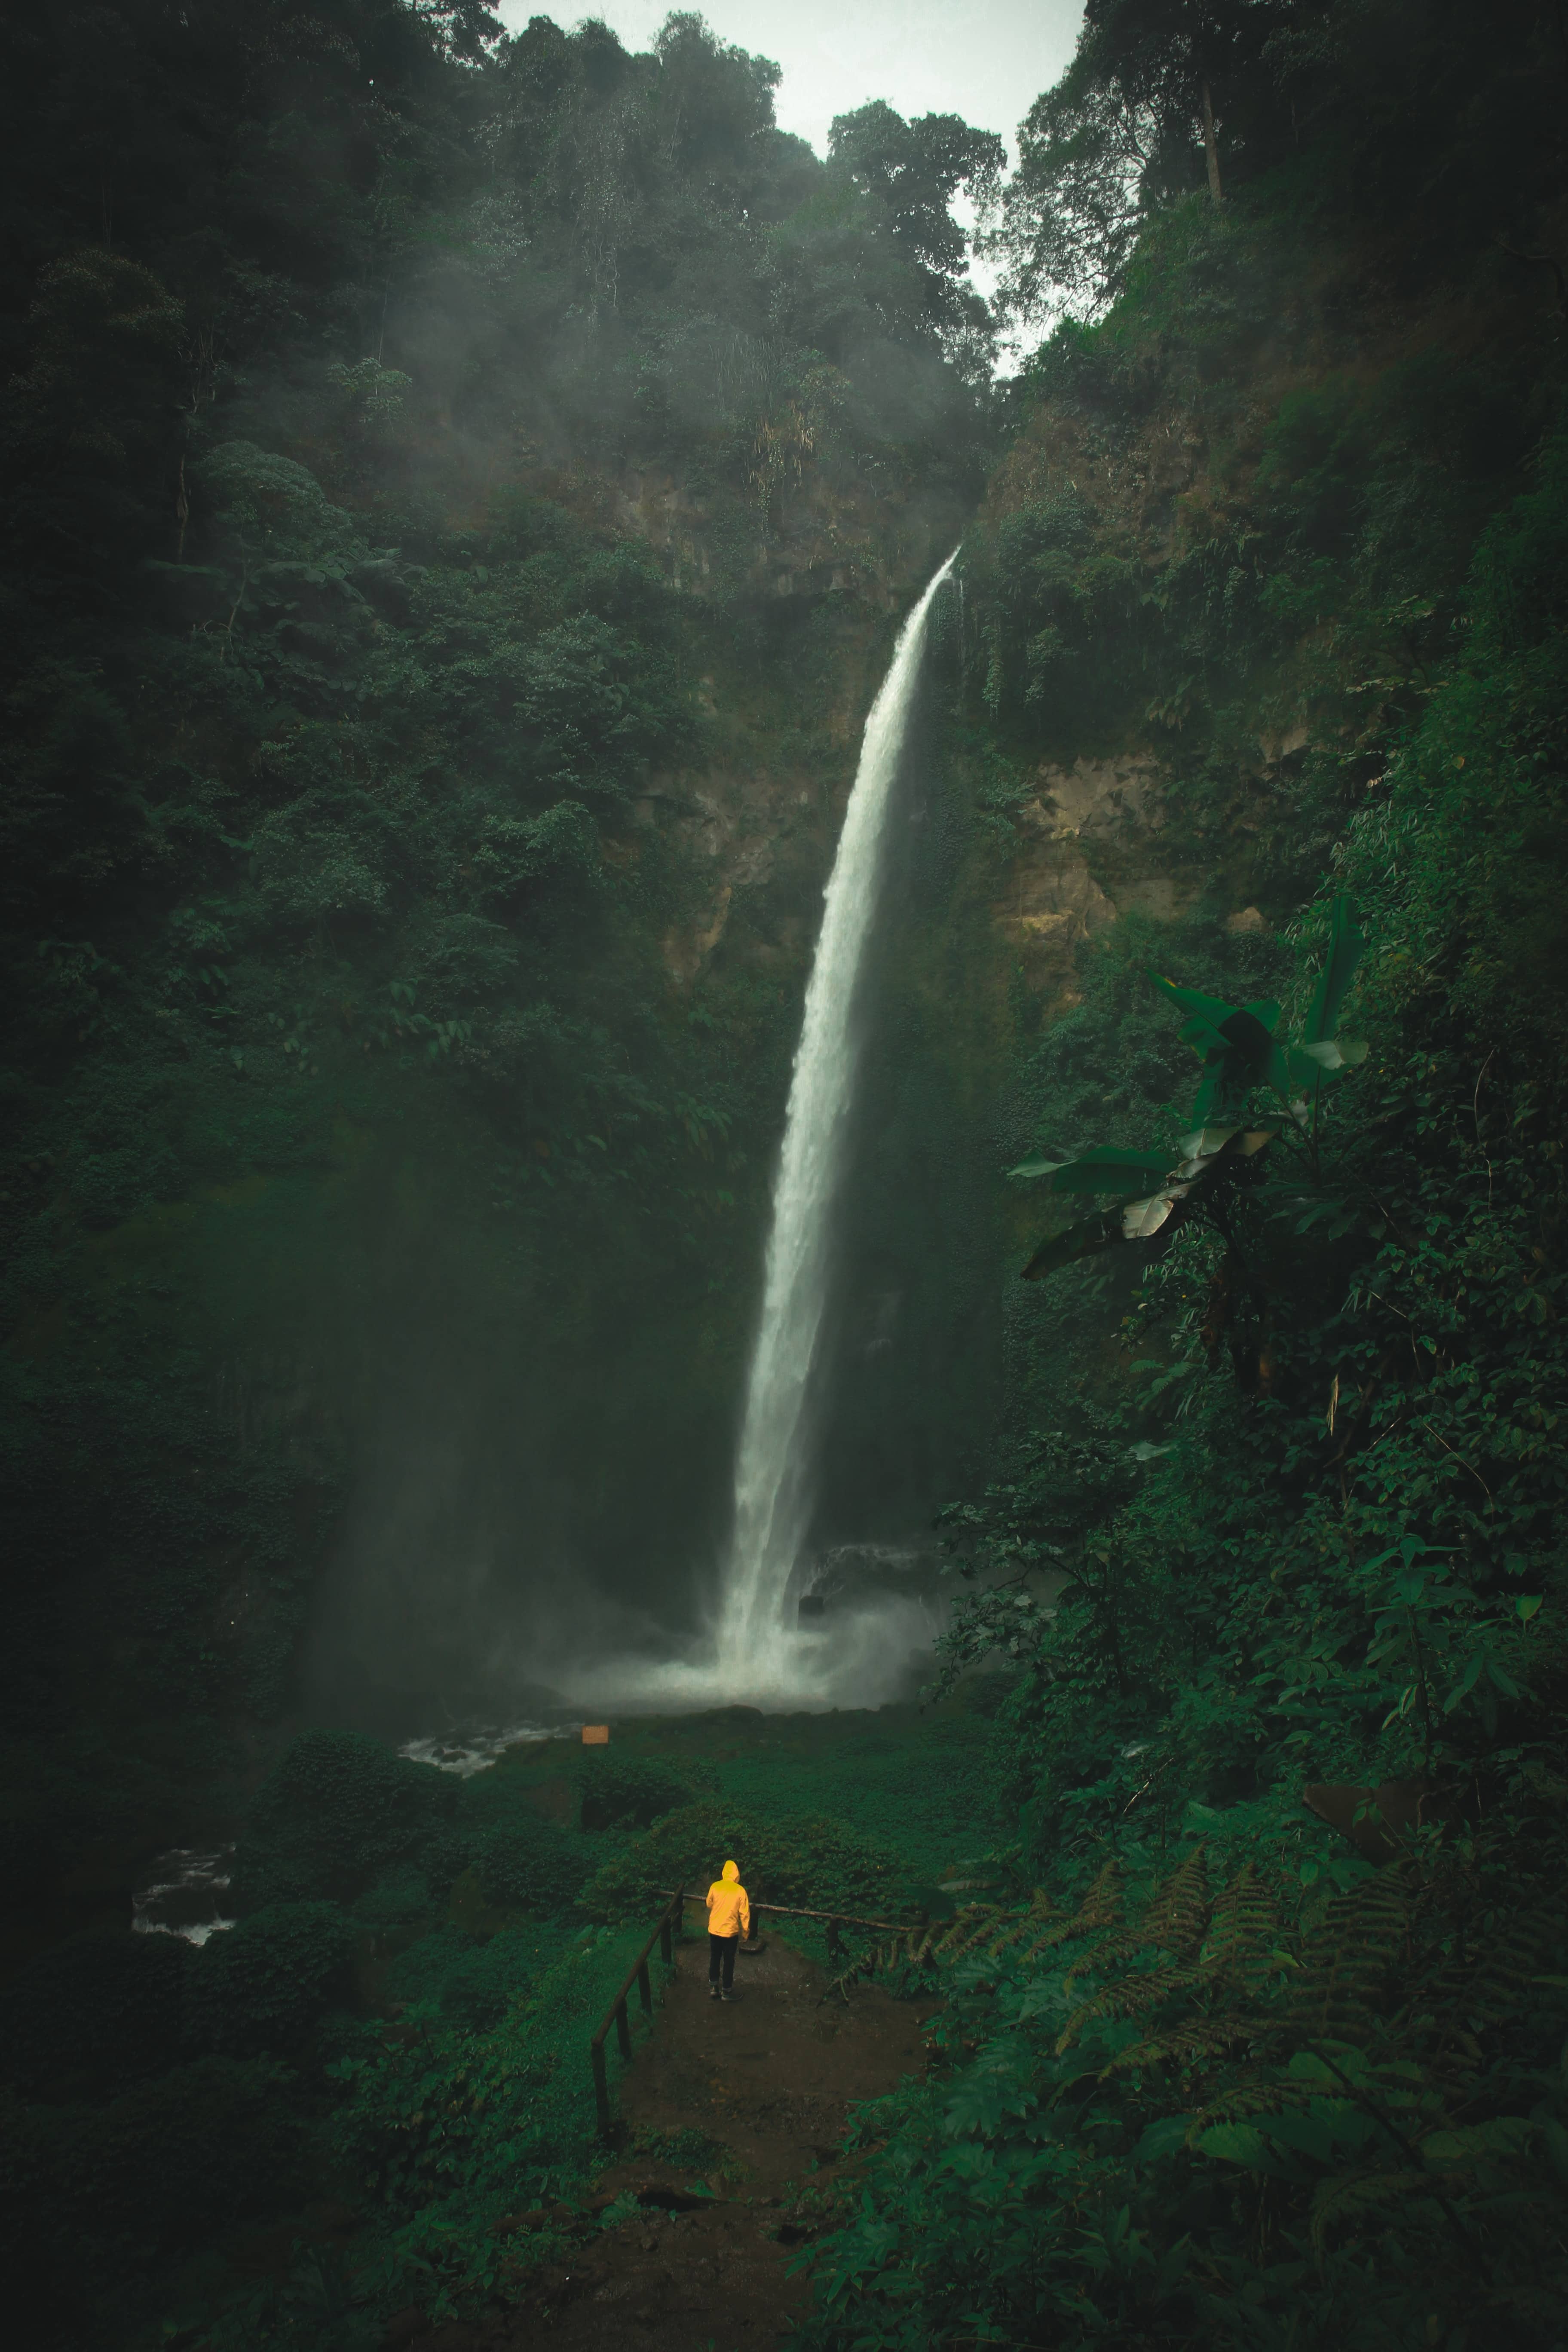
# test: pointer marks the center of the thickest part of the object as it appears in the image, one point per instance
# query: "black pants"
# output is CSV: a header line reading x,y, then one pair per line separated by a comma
x,y
721,1956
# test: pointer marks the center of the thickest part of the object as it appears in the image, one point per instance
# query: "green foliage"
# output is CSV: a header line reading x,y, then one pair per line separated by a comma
x,y
815,1863
621,1791
1134,2080
476,1991
261,1986
529,1865
1242,1058
485,2107
334,1811
1164,98
1209,2076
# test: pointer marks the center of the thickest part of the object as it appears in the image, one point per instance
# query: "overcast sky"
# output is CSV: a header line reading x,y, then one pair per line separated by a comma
x,y
987,60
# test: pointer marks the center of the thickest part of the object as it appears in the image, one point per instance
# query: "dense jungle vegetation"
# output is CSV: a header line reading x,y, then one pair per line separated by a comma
x,y
346,681
345,1083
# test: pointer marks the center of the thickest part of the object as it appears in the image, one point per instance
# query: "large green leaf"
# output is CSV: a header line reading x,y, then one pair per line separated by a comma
x,y
1337,1053
1090,1234
1345,945
1249,1035
1239,2144
1204,1016
1202,1151
1242,1056
1141,1218
1104,1167
1234,1042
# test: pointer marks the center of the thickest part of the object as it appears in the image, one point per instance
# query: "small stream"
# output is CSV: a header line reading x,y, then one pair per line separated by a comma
x,y
187,1895
469,1749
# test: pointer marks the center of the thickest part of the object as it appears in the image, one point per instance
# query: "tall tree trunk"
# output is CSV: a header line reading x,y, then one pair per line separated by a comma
x,y
1211,145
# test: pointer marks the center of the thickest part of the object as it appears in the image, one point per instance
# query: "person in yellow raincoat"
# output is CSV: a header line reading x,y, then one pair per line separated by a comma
x,y
729,1922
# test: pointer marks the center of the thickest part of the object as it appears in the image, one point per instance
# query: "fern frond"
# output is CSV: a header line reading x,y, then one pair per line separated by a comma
x,y
1174,1921
1505,1962
1243,1931
1339,1989
1131,1996
1344,2196
1040,1911
1101,1908
1179,1914
973,1922
1197,2043
1245,2100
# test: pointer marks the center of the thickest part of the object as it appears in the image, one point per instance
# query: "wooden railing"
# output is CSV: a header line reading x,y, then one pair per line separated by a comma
x,y
670,1919
836,1920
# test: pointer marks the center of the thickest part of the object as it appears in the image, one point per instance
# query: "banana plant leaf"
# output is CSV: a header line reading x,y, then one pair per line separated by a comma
x,y
1234,1042
1201,1151
1104,1167
1204,1016
1083,1239
1243,1056
1141,1218
1345,944
1336,1053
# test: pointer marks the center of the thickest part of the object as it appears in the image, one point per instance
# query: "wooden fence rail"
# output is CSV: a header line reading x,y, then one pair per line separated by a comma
x,y
836,1920
671,1920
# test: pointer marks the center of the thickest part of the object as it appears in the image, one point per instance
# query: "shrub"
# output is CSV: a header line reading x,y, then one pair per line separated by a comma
x,y
262,1984
397,1899
480,1987
629,1792
335,1811
529,1865
797,1859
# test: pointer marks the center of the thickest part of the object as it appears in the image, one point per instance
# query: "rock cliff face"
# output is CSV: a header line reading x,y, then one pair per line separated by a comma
x,y
828,567
1053,900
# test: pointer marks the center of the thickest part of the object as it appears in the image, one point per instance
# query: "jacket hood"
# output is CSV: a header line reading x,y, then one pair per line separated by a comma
x,y
731,1871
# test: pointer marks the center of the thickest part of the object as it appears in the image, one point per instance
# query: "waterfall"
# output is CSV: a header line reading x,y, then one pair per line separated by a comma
x,y
772,1466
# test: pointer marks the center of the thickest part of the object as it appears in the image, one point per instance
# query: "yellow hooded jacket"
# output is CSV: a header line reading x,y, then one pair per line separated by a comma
x,y
729,1907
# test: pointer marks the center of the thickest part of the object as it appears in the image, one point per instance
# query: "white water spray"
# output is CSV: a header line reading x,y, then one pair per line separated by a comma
x,y
773,1482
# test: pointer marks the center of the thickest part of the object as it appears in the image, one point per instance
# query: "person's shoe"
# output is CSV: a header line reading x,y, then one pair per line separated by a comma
x,y
726,1996
714,1993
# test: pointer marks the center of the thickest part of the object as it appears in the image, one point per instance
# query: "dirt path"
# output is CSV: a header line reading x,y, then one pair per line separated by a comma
x,y
768,2076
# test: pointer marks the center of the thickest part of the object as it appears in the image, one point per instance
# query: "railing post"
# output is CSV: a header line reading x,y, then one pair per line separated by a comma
x,y
601,2090
833,1947
623,2028
645,1991
665,1950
